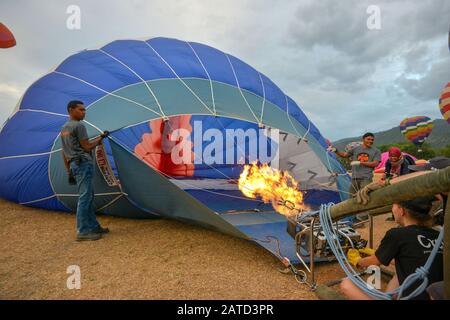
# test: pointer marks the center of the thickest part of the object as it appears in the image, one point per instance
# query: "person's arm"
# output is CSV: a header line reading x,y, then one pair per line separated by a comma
x,y
335,150
369,261
342,154
66,162
408,176
89,145
375,162
371,164
84,140
389,247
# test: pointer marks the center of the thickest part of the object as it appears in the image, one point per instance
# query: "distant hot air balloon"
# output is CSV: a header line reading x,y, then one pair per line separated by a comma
x,y
7,39
416,129
444,103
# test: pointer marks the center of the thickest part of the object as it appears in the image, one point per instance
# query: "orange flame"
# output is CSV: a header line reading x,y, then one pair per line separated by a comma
x,y
272,185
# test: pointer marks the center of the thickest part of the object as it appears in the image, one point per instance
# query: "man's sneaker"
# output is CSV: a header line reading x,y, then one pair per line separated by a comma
x,y
102,230
89,236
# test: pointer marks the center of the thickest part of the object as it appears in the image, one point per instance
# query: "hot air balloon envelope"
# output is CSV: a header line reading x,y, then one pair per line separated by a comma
x,y
7,39
416,129
444,103
184,119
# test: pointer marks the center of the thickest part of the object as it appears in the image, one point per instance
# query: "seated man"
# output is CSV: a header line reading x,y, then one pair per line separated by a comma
x,y
409,246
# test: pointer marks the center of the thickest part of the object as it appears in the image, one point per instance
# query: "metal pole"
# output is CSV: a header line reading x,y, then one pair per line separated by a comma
x,y
380,211
370,231
298,249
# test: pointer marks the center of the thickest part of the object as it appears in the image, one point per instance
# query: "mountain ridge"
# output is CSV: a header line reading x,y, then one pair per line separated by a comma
x,y
439,137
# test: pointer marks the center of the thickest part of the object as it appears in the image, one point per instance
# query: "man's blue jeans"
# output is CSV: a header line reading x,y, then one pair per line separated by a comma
x,y
84,173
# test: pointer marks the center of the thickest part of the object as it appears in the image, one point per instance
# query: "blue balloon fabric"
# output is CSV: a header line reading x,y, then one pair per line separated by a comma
x,y
133,88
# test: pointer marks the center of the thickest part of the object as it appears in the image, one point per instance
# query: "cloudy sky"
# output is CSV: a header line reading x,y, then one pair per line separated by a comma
x,y
346,77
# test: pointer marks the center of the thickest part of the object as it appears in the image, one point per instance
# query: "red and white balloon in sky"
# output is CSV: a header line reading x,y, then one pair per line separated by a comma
x,y
7,39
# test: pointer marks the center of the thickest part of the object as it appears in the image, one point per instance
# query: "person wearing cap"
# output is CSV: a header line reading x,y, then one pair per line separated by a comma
x,y
436,163
78,159
408,246
397,164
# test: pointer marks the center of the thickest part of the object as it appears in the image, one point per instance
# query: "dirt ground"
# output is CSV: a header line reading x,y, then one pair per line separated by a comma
x,y
140,259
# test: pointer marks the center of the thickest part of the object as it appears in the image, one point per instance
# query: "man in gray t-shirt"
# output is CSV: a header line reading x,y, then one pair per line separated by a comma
x,y
72,133
77,156
365,158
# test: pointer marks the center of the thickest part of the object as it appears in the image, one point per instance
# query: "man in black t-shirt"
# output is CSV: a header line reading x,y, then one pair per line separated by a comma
x,y
409,246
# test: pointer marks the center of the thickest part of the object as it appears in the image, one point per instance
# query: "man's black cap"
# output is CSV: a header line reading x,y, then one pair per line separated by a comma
x,y
421,205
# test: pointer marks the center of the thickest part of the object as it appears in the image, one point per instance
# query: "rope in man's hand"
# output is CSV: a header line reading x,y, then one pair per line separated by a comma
x,y
362,196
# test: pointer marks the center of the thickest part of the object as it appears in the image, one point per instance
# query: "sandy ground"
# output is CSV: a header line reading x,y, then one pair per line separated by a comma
x,y
140,259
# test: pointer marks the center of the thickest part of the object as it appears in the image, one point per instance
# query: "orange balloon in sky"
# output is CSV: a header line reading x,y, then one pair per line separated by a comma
x,y
7,39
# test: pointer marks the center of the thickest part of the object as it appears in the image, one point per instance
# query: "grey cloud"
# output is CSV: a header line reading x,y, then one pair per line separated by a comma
x,y
318,52
431,84
341,29
416,59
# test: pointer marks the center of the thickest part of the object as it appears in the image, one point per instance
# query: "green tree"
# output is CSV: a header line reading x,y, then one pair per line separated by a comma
x,y
444,152
345,162
427,151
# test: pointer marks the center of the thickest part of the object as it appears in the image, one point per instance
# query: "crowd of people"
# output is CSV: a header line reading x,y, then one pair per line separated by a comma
x,y
409,244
